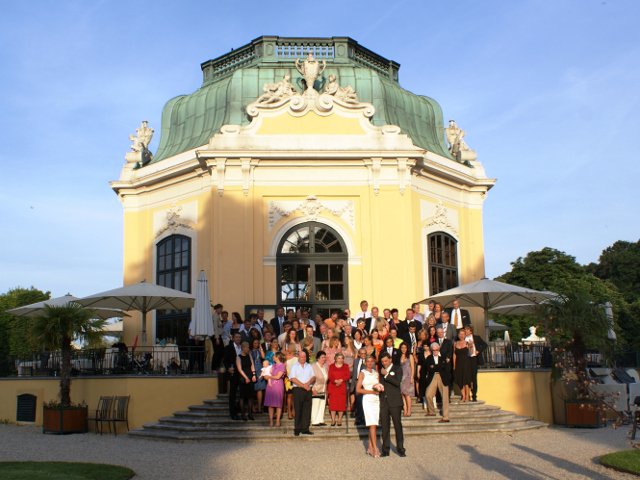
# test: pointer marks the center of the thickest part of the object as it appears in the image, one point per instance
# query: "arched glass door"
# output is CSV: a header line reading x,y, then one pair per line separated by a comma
x,y
312,269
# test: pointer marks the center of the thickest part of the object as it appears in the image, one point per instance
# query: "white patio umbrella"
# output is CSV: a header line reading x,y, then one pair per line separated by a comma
x,y
142,297
37,308
488,294
608,310
496,327
202,325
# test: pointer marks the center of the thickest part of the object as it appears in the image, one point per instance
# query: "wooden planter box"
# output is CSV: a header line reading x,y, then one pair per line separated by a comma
x,y
64,420
582,417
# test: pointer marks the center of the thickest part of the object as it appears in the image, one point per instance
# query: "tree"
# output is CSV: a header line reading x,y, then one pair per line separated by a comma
x,y
620,263
56,328
14,336
559,272
576,322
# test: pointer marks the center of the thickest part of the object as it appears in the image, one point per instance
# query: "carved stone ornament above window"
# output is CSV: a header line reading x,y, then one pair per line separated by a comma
x,y
311,208
173,221
441,220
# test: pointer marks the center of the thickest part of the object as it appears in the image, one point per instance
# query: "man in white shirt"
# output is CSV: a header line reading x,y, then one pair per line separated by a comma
x,y
349,320
364,305
260,321
417,316
459,318
302,376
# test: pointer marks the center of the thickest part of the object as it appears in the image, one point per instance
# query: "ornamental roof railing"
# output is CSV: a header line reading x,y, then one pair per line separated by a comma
x,y
278,52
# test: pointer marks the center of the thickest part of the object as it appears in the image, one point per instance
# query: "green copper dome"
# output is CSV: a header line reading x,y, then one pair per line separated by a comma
x,y
233,81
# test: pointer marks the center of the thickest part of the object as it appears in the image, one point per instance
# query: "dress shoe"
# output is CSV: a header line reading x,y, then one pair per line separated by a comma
x,y
307,433
384,454
296,434
402,454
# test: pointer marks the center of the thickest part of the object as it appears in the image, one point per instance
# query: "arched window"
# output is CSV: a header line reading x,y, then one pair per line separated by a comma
x,y
443,262
174,271
312,269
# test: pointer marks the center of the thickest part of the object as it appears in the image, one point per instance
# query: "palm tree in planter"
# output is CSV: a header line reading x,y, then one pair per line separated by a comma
x,y
56,329
576,323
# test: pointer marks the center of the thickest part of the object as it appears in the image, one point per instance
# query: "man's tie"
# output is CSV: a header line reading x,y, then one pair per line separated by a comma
x,y
455,317
413,341
440,341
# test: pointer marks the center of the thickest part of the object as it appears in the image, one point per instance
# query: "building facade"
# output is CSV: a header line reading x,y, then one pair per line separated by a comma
x,y
301,174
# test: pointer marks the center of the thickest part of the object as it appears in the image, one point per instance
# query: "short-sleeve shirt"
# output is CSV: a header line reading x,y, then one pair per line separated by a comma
x,y
301,373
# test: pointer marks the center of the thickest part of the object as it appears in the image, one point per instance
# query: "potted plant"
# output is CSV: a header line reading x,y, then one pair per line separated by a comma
x,y
576,322
56,329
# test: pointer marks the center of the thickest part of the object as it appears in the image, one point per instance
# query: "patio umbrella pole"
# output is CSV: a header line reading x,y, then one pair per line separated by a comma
x,y
144,328
486,317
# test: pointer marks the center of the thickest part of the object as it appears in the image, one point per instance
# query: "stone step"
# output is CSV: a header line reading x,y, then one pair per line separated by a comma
x,y
412,422
288,426
154,434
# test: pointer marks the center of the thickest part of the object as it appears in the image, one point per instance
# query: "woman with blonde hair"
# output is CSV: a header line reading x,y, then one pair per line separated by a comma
x,y
307,344
349,350
382,327
331,332
291,357
367,379
334,348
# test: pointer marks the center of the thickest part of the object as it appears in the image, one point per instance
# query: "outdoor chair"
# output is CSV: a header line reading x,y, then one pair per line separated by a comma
x,y
103,412
120,413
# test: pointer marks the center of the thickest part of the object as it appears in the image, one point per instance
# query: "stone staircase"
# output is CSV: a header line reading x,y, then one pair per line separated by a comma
x,y
211,422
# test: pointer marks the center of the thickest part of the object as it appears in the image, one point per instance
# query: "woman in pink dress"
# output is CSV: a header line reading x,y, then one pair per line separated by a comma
x,y
275,389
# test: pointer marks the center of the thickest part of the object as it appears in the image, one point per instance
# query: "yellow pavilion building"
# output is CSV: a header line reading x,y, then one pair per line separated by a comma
x,y
301,174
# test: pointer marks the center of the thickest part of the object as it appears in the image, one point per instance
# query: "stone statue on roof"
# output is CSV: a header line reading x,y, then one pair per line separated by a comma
x,y
310,69
275,92
142,139
457,146
346,94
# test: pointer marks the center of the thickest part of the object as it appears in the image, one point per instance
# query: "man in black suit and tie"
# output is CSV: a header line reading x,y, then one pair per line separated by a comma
x,y
476,346
391,404
459,318
411,337
438,379
277,322
229,355
358,366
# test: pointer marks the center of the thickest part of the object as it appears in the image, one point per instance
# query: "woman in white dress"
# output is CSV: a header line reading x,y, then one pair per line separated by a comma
x,y
370,402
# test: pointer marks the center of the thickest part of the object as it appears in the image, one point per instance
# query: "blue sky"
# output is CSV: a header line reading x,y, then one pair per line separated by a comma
x,y
546,90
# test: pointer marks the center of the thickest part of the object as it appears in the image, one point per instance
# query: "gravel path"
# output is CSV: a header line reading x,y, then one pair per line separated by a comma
x,y
553,453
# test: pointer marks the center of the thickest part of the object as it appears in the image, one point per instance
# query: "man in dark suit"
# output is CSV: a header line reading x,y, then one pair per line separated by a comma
x,y
446,351
438,379
411,337
309,332
391,404
277,322
479,346
459,318
229,355
393,352
358,366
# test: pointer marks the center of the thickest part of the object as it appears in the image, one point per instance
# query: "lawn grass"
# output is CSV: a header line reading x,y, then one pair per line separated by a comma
x,y
62,471
625,461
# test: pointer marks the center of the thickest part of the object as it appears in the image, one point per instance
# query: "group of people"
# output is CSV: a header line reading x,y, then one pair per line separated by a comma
x,y
370,365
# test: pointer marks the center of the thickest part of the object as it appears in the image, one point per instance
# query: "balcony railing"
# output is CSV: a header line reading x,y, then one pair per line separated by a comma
x,y
156,360
282,52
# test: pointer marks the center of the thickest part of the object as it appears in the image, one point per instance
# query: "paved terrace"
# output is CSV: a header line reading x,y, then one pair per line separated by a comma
x,y
553,453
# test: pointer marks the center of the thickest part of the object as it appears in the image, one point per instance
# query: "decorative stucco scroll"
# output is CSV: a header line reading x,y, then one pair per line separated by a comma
x,y
173,221
311,208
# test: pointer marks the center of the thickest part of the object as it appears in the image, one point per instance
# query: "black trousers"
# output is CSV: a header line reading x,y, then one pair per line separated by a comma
x,y
387,414
302,405
474,377
233,391
357,405
217,353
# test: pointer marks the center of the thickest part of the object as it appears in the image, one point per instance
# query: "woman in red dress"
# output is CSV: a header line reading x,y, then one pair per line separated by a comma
x,y
339,375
